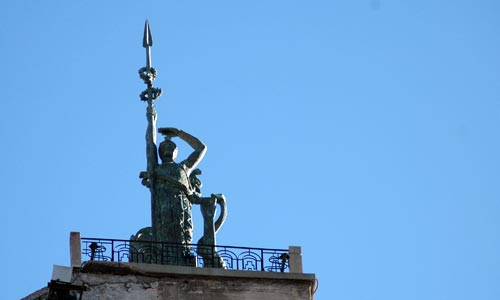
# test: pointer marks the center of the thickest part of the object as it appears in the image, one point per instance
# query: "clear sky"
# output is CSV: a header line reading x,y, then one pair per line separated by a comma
x,y
365,131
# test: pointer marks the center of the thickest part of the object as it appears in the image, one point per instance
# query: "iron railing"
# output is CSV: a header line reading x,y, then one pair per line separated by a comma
x,y
196,255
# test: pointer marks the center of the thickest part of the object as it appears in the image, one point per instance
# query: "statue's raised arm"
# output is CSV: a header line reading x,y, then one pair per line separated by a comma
x,y
151,148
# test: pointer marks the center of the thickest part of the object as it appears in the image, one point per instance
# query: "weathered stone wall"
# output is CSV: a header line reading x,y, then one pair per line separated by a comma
x,y
135,281
133,287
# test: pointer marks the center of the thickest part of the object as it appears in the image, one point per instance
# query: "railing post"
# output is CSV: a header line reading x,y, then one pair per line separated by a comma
x,y
161,253
112,250
262,259
75,249
295,260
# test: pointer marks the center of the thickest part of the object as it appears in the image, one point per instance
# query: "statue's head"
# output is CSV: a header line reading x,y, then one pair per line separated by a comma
x,y
168,150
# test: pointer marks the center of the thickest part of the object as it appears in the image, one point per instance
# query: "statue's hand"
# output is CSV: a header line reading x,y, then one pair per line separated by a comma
x,y
169,131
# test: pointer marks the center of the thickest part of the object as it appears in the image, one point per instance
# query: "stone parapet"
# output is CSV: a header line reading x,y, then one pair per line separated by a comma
x,y
106,280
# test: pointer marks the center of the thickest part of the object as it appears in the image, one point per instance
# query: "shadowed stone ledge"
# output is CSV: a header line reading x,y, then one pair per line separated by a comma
x,y
158,271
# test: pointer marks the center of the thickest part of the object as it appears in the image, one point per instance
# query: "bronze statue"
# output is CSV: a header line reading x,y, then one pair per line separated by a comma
x,y
169,182
174,188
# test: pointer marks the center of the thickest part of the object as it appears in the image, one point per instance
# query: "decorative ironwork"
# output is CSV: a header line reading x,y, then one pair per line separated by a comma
x,y
229,257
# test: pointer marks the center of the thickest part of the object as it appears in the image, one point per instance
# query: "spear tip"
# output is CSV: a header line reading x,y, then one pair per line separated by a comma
x,y
147,40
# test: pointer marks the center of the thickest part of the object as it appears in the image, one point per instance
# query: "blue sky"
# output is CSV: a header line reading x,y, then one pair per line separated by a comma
x,y
365,131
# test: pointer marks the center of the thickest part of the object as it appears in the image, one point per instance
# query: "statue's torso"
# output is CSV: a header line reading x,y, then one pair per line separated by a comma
x,y
171,207
172,176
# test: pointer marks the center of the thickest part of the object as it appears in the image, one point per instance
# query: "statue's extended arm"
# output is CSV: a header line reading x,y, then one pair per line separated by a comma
x,y
199,148
151,150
